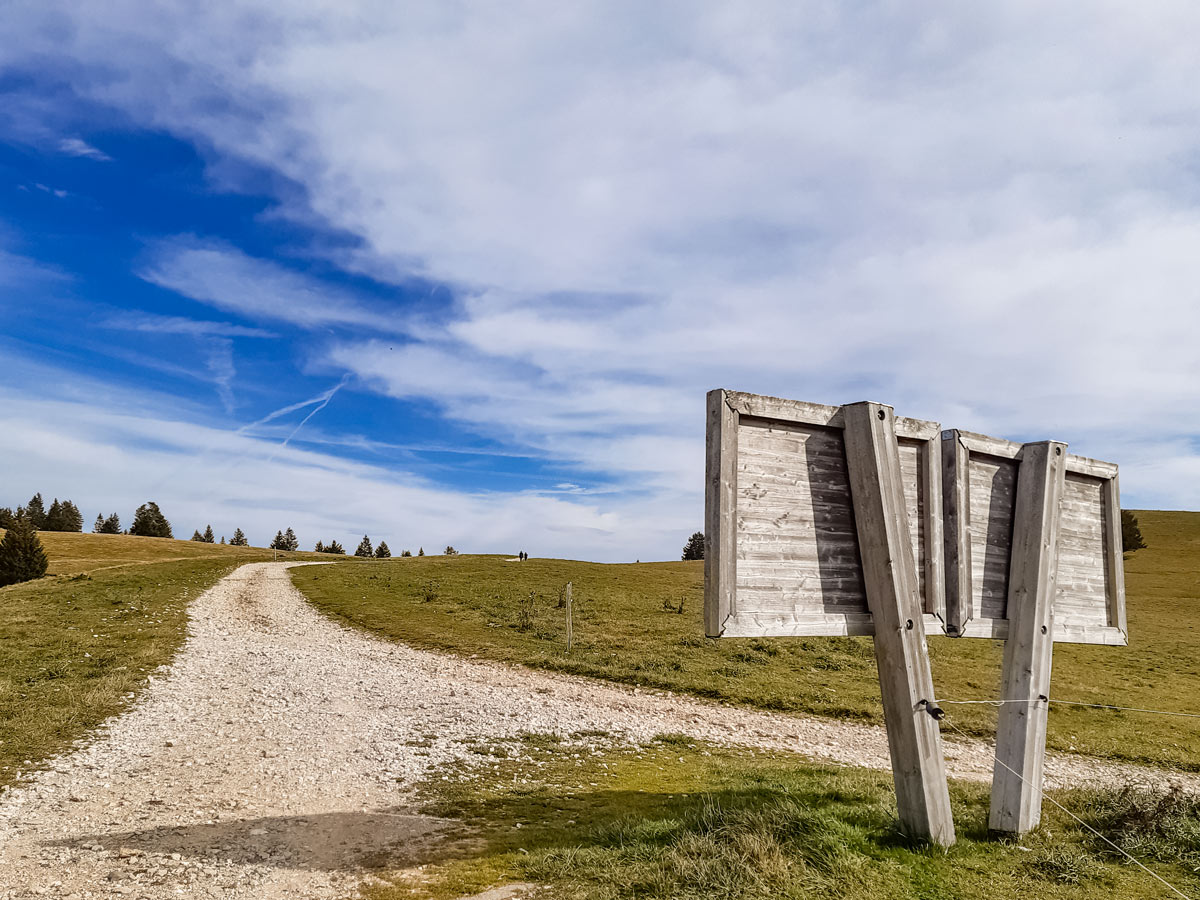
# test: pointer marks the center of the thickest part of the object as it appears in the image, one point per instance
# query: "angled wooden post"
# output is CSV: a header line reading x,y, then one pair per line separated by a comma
x,y
890,577
1021,730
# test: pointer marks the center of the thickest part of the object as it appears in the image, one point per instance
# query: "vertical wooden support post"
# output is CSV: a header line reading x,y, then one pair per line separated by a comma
x,y
1021,730
720,515
956,513
890,576
570,623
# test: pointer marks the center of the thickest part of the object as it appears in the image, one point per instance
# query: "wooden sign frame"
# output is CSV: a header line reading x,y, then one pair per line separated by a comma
x,y
977,591
861,480
730,415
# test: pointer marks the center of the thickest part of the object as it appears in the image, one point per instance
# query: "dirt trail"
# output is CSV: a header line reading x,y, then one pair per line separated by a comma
x,y
274,758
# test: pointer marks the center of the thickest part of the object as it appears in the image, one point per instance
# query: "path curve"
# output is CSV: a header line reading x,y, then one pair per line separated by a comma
x,y
274,758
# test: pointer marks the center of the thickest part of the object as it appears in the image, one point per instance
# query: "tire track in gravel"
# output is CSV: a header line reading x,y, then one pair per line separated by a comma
x,y
275,757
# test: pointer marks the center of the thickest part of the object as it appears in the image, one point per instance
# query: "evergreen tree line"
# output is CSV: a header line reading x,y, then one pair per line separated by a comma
x,y
61,516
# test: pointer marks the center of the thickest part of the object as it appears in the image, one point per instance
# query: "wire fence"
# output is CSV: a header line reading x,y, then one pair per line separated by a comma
x,y
1121,850
1140,709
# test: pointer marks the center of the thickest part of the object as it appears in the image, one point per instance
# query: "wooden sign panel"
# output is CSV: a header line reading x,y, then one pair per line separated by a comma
x,y
980,476
782,556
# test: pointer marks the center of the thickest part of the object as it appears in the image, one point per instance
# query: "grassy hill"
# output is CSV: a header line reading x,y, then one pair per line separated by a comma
x,y
642,624
76,644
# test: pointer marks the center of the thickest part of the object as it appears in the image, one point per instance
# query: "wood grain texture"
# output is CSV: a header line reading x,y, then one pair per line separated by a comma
x,y
798,569
979,491
1016,805
720,520
881,518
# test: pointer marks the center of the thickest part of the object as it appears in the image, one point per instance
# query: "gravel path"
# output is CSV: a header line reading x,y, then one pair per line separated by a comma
x,y
273,759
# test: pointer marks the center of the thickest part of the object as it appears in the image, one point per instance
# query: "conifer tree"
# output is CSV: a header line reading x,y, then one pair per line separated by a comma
x,y
449,551
148,521
98,528
222,539
72,518
22,557
364,548
382,551
53,520
238,539
290,539
7,517
1131,534
420,551
404,553
319,548
197,536
112,525
35,512
208,535
335,547
278,542
694,548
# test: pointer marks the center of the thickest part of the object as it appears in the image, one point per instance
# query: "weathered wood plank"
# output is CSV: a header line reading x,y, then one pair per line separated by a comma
x,y
1114,559
720,509
1021,730
956,537
890,575
989,446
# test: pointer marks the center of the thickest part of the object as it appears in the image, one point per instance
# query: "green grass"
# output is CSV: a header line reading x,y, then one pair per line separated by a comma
x,y
76,645
628,628
678,820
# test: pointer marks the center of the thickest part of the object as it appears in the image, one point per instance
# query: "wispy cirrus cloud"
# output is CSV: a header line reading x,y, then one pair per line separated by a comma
x,y
74,146
223,277
157,324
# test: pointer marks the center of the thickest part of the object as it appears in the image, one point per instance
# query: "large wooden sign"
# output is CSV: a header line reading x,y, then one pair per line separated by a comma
x,y
826,520
981,476
784,555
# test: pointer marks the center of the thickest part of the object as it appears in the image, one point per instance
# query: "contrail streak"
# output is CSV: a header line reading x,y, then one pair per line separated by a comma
x,y
322,400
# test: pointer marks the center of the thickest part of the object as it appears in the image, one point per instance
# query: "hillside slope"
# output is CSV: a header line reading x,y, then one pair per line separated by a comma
x,y
642,623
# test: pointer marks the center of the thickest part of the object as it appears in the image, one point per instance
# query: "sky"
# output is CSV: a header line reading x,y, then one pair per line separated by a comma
x,y
449,273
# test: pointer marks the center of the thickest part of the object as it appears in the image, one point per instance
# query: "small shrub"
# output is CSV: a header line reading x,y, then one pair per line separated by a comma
x,y
429,591
1164,826
21,555
525,614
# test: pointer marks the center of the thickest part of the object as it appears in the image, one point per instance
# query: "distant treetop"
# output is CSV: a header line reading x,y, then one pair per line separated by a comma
x,y
149,521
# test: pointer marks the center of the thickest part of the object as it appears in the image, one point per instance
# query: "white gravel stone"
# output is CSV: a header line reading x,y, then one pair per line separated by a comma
x,y
276,756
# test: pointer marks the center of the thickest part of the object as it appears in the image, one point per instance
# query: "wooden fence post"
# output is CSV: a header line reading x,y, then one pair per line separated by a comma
x,y
1021,731
890,577
570,624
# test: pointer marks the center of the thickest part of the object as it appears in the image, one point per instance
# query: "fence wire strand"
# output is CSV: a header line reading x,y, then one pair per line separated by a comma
x,y
1157,712
1133,859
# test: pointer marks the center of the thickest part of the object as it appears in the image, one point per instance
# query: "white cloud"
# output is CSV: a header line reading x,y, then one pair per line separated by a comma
x,y
149,322
986,217
228,279
77,147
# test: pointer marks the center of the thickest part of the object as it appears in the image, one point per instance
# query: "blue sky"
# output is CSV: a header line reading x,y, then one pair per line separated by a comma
x,y
462,274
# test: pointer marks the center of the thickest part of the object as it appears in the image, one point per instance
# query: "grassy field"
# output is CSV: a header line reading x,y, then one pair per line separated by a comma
x,y
76,645
642,624
677,820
